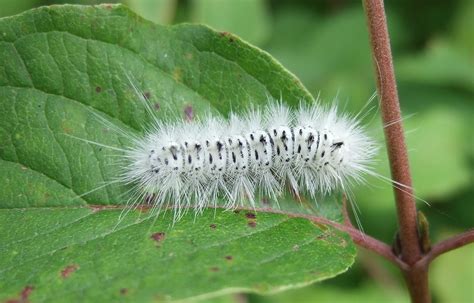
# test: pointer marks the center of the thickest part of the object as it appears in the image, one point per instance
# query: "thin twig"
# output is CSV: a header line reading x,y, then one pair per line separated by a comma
x,y
363,240
395,139
416,280
442,247
366,242
357,236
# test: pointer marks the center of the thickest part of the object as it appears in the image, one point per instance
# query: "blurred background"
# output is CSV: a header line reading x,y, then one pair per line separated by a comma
x,y
325,44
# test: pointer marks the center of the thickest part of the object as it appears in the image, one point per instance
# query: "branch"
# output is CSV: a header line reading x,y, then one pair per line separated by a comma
x,y
394,137
366,242
452,243
416,279
357,236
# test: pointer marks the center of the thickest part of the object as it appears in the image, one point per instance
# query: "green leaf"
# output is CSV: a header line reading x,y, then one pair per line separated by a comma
x,y
69,255
60,68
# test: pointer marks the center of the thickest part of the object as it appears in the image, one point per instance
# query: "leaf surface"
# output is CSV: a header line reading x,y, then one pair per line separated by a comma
x,y
62,74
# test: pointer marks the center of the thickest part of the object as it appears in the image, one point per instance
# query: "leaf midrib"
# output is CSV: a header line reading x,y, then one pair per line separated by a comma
x,y
107,234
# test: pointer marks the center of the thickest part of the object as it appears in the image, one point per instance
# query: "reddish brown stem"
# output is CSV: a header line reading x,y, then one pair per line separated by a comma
x,y
367,242
417,280
395,138
447,245
357,236
364,240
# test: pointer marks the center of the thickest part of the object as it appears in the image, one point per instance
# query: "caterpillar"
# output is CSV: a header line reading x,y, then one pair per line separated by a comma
x,y
185,164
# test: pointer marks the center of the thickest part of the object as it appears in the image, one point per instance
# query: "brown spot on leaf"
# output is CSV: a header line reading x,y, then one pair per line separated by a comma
x,y
178,74
158,237
214,269
213,226
146,95
98,89
96,208
66,129
229,258
123,291
228,35
156,106
189,113
68,270
320,226
24,295
322,236
26,292
250,215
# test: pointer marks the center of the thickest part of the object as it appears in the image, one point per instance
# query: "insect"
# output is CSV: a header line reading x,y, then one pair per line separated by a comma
x,y
193,164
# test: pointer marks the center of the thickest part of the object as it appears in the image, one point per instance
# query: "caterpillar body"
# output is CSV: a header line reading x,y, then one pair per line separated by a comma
x,y
193,164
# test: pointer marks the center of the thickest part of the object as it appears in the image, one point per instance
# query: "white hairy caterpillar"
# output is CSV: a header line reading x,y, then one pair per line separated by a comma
x,y
192,164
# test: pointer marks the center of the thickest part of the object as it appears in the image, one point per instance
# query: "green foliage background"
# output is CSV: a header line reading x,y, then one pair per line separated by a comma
x,y
325,44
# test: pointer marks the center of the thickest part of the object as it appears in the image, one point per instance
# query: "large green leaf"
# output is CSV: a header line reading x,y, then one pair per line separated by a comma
x,y
63,66
79,254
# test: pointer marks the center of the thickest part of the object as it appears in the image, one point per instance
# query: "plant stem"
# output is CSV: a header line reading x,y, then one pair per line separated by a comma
x,y
442,247
366,242
417,280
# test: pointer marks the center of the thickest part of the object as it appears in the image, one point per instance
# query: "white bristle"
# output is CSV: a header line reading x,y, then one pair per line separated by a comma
x,y
192,164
